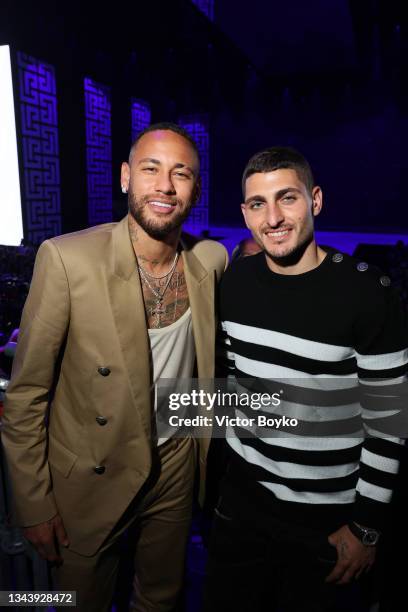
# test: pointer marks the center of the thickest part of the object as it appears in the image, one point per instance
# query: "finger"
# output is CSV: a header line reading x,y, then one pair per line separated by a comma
x,y
337,572
347,576
363,570
360,571
46,554
41,551
33,540
61,533
50,551
331,540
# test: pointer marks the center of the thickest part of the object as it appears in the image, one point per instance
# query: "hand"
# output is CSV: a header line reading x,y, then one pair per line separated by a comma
x,y
353,557
45,537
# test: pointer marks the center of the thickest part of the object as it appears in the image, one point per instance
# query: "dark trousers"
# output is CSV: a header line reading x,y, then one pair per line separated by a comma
x,y
260,563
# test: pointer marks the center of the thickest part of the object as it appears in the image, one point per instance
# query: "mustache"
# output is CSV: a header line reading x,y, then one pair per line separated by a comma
x,y
147,198
278,228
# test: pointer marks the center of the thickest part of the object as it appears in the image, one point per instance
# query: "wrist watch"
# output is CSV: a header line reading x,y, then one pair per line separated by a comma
x,y
366,535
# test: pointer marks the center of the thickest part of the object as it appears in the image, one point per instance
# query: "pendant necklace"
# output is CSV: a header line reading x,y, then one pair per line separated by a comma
x,y
158,309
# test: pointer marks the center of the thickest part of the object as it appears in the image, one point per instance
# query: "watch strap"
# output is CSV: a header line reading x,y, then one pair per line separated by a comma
x,y
367,535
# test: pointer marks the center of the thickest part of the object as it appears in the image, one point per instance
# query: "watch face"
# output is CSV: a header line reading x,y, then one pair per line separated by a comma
x,y
370,538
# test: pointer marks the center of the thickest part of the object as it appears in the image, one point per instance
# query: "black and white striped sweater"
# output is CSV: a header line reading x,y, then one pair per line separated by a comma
x,y
321,334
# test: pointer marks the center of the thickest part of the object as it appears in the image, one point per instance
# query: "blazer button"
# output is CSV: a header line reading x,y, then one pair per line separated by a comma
x,y
99,469
101,420
103,371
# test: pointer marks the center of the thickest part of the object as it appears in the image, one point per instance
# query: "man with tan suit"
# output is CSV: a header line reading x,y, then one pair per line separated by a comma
x,y
111,310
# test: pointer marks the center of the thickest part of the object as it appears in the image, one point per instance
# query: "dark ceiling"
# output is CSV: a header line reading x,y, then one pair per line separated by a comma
x,y
320,75
299,38
171,49
284,38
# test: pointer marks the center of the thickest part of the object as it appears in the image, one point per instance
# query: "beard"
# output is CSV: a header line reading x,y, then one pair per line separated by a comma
x,y
290,255
158,229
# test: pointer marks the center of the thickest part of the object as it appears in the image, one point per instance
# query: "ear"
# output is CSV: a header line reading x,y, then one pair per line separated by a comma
x,y
125,176
243,210
317,200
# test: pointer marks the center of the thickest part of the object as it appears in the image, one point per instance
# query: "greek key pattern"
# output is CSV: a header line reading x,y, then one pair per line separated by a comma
x,y
206,7
198,128
40,148
98,151
140,116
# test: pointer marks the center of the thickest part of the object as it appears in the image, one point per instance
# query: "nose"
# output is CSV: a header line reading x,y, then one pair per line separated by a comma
x,y
164,183
274,215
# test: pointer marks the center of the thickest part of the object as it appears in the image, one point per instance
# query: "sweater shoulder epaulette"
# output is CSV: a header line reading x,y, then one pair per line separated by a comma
x,y
362,277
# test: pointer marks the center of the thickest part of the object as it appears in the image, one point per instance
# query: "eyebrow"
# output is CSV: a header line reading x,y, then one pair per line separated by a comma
x,y
149,159
279,194
286,190
158,163
180,165
255,198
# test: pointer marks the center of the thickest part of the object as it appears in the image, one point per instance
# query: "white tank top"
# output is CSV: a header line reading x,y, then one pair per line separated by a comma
x,y
173,352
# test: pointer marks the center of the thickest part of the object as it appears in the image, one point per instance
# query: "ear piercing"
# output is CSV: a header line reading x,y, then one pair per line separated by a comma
x,y
124,190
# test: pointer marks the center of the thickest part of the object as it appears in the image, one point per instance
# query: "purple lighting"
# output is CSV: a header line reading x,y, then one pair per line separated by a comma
x,y
98,152
206,7
41,166
198,128
140,116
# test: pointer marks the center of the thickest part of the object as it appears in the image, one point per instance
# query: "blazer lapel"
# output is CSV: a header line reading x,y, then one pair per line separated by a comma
x,y
128,310
200,285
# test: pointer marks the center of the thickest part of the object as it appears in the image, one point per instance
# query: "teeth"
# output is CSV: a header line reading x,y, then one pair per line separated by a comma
x,y
162,204
278,234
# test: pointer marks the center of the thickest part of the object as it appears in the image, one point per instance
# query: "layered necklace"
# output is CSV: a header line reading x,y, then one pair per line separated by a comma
x,y
158,310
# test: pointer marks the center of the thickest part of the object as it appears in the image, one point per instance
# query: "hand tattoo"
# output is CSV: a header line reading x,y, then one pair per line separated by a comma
x,y
344,552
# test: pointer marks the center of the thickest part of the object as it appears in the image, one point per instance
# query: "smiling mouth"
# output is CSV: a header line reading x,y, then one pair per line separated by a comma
x,y
277,233
165,205
161,208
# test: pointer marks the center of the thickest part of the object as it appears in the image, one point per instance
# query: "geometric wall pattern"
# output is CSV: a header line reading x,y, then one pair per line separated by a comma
x,y
140,116
40,148
198,128
98,152
206,7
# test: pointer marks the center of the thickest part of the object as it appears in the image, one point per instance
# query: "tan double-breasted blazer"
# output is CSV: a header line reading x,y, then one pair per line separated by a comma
x,y
80,394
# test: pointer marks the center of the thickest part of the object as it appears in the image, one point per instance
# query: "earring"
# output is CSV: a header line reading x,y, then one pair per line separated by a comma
x,y
124,190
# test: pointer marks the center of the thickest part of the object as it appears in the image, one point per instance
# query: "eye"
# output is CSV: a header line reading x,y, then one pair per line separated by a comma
x,y
256,205
288,198
181,174
149,169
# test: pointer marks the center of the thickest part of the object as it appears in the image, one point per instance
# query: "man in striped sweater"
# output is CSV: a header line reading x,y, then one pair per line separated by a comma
x,y
302,507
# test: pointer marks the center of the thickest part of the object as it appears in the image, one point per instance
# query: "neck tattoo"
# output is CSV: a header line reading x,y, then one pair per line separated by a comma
x,y
158,310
